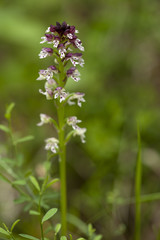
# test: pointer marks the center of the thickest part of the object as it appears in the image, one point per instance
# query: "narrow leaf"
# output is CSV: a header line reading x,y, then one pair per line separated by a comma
x,y
6,227
32,212
9,110
22,199
14,224
138,177
35,182
49,214
4,231
4,128
24,139
28,236
19,182
52,182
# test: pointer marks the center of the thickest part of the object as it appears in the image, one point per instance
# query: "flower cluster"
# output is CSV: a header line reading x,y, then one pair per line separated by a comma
x,y
62,40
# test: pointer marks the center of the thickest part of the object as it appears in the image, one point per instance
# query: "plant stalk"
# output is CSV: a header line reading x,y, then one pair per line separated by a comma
x,y
62,162
138,177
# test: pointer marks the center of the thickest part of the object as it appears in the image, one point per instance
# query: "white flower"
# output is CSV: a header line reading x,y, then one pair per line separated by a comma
x,y
52,144
44,39
44,119
75,58
60,92
74,74
79,96
72,121
45,52
61,50
80,132
42,75
55,43
45,74
70,35
79,44
48,30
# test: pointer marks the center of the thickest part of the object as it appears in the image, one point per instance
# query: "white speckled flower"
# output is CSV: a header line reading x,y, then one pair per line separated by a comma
x,y
52,144
45,52
73,73
79,97
72,121
60,92
80,132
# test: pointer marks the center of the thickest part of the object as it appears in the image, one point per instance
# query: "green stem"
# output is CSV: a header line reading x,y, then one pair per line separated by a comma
x,y
40,217
138,191
12,138
62,160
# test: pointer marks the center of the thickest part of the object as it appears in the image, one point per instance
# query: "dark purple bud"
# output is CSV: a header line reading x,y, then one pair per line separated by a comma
x,y
70,71
77,54
49,37
52,28
49,50
52,67
64,25
72,29
69,55
60,45
58,25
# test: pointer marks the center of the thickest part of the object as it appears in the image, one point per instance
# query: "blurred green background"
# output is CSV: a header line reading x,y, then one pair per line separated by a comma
x,y
121,79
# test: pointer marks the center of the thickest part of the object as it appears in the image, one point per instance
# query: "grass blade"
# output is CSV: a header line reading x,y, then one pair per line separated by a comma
x,y
138,176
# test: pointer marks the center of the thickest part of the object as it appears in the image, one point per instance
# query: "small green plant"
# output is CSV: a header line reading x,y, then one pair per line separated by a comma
x,y
35,192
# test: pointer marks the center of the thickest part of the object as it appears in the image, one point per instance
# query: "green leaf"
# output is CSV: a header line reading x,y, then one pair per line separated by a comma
x,y
63,238
14,224
28,236
4,231
32,212
83,238
19,182
4,128
49,214
22,199
52,182
9,110
24,139
57,228
6,227
35,182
